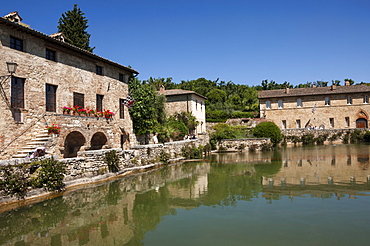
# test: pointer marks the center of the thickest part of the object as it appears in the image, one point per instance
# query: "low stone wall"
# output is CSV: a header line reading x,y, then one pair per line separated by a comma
x,y
91,163
243,144
336,134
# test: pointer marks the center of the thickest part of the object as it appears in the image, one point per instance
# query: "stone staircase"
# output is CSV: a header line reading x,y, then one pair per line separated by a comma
x,y
40,140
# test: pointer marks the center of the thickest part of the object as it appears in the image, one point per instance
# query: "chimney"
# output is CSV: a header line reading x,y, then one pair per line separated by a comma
x,y
347,83
16,18
58,36
287,90
13,17
333,87
313,86
162,89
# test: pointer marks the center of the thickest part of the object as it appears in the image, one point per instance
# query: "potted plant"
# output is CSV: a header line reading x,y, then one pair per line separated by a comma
x,y
108,114
91,112
66,110
53,129
82,111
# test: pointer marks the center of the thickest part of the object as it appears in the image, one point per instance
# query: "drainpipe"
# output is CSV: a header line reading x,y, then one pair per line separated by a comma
x,y
187,103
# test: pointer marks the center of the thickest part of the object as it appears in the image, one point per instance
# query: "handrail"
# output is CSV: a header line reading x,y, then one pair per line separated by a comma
x,y
23,132
2,91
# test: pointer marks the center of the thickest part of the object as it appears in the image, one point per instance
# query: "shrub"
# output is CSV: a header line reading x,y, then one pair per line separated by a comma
x,y
217,116
223,131
356,136
267,147
50,175
321,139
367,136
164,157
112,160
191,152
268,130
14,181
207,148
308,139
239,114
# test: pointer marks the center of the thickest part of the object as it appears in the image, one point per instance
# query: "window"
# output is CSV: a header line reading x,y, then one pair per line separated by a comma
x,y
50,55
268,104
99,102
280,104
17,93
196,104
347,121
283,124
121,109
349,100
366,99
16,43
299,103
78,100
51,98
327,101
99,70
201,106
349,161
121,77
331,122
298,123
300,163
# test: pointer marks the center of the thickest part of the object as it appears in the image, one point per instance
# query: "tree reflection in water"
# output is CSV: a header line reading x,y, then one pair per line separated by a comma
x,y
122,212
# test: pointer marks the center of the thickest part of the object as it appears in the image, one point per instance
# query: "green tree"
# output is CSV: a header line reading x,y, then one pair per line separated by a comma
x,y
351,81
73,25
268,130
148,110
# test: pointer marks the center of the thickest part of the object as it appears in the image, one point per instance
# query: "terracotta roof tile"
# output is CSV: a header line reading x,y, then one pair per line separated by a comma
x,y
174,92
64,44
313,91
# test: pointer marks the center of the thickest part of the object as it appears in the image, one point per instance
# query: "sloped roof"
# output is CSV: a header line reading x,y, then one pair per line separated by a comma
x,y
313,91
175,92
4,21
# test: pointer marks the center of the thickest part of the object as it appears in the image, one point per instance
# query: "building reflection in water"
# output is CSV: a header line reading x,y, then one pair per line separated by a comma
x,y
121,212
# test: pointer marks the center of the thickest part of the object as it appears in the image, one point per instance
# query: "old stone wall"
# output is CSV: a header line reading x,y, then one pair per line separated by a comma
x,y
73,71
243,144
91,163
338,115
336,134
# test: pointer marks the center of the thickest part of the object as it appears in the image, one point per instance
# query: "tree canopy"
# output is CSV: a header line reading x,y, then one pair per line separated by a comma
x,y
73,25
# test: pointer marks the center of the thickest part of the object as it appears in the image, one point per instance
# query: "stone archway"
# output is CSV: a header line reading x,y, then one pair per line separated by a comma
x,y
98,140
362,118
73,143
361,123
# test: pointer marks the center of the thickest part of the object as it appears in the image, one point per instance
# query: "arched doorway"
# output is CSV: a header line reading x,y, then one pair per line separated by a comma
x,y
73,143
98,140
361,123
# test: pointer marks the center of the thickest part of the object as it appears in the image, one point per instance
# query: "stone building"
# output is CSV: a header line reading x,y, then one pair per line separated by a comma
x,y
334,107
178,100
50,75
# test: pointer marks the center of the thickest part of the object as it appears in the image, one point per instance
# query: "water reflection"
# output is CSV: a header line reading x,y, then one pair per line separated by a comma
x,y
122,212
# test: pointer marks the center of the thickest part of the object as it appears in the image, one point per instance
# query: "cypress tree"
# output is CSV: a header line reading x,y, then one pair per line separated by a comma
x,y
73,25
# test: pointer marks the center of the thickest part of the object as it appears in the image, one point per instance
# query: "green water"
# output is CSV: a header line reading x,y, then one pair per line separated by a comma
x,y
296,196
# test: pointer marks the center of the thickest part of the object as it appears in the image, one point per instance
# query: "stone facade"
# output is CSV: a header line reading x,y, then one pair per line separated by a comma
x,y
186,101
52,74
335,107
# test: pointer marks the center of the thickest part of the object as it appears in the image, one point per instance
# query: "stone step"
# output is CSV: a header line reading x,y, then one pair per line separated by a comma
x,y
41,139
20,156
36,143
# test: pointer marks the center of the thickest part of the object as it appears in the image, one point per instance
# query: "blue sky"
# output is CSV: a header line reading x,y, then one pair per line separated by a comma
x,y
240,41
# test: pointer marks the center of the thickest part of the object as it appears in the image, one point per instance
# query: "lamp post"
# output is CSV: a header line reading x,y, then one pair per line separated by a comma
x,y
12,67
